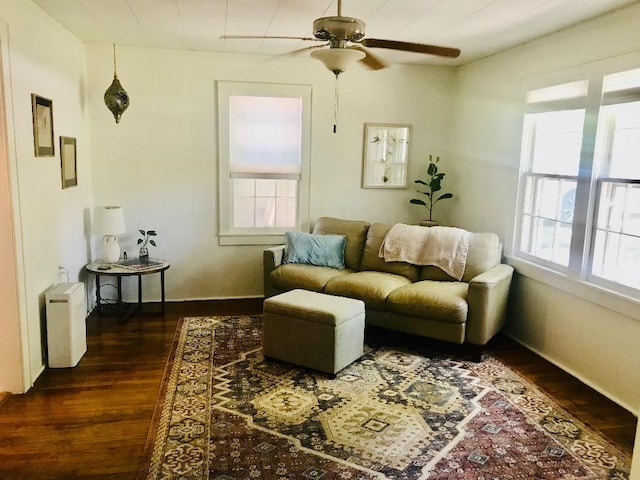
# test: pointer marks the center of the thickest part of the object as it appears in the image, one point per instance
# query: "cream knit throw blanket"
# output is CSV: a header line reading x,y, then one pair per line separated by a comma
x,y
443,247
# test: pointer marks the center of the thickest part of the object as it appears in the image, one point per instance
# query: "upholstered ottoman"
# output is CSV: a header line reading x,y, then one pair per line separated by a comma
x,y
313,330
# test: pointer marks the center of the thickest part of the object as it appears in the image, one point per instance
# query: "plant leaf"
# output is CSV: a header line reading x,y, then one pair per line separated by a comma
x,y
445,195
152,233
421,182
417,201
141,232
139,241
152,243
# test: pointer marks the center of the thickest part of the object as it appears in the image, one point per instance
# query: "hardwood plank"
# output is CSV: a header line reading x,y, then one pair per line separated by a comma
x,y
91,421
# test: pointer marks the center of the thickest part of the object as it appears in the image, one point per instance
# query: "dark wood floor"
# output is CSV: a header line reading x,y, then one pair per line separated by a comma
x,y
91,421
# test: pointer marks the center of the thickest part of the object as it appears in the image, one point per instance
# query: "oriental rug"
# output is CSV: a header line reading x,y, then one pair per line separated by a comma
x,y
224,412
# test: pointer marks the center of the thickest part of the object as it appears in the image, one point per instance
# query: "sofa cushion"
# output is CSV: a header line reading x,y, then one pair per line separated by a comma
x,y
321,250
370,287
372,261
289,276
443,301
483,254
355,232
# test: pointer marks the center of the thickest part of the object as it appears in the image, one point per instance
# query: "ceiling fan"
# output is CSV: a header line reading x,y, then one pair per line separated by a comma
x,y
346,40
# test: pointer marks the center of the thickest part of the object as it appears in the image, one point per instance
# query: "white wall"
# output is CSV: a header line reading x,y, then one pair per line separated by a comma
x,y
160,162
50,222
596,344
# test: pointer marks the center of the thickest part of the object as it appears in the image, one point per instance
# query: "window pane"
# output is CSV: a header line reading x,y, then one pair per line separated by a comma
x,y
616,254
617,258
623,139
546,230
265,202
557,141
622,80
265,188
559,92
265,134
285,212
243,212
245,187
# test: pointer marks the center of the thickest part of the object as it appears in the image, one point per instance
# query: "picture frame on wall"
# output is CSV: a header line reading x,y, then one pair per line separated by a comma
x,y
386,155
42,109
68,163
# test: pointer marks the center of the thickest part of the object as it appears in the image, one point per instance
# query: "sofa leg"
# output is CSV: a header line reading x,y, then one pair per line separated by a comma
x,y
476,352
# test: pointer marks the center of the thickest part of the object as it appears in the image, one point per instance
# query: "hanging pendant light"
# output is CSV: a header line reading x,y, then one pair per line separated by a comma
x,y
116,98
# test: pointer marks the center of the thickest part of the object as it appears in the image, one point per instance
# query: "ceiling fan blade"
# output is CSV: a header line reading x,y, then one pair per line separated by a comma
x,y
262,37
370,60
411,47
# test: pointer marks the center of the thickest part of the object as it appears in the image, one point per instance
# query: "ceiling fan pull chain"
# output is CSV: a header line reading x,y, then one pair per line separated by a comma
x,y
335,108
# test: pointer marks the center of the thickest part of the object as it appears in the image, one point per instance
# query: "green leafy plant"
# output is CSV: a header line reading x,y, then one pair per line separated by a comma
x,y
146,238
434,185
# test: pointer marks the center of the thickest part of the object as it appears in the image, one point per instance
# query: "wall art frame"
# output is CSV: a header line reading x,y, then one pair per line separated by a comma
x,y
68,162
386,155
42,110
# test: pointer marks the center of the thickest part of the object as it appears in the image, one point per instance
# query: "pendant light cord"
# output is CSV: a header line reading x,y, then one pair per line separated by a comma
x,y
114,61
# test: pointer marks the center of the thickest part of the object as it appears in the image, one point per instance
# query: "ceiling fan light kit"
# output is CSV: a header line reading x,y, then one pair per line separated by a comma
x,y
338,59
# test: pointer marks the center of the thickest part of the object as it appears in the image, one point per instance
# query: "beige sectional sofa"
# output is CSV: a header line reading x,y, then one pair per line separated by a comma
x,y
420,300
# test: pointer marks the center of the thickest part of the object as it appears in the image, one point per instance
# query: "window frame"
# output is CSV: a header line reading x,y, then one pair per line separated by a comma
x,y
228,234
577,277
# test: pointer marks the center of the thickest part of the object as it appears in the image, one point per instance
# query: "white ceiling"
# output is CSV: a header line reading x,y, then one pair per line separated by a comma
x,y
478,27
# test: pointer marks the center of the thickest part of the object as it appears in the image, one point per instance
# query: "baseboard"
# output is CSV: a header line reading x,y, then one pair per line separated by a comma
x,y
574,374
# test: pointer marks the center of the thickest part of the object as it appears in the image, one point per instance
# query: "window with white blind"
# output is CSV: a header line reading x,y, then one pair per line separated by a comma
x,y
264,134
579,208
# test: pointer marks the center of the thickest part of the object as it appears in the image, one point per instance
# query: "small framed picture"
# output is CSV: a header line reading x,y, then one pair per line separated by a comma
x,y
386,155
68,162
42,109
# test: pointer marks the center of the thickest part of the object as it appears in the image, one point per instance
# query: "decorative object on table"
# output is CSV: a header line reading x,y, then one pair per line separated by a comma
x,y
146,239
433,186
109,222
116,98
42,109
405,413
386,155
68,166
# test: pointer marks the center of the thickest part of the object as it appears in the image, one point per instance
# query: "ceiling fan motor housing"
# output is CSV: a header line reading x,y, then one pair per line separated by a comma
x,y
341,28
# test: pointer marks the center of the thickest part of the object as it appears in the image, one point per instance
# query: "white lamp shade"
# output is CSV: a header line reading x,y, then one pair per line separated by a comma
x,y
108,221
338,59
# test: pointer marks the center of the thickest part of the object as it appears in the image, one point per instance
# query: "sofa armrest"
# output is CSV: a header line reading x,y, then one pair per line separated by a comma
x,y
487,300
271,258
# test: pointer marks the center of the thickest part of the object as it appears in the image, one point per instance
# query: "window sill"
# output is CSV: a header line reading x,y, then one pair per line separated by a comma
x,y
251,239
617,302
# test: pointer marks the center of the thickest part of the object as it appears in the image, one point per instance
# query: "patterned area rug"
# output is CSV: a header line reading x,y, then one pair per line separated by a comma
x,y
225,413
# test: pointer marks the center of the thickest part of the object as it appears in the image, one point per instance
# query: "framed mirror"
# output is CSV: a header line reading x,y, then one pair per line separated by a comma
x,y
386,155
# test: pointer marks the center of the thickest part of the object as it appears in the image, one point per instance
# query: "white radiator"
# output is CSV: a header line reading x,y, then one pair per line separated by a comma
x,y
66,325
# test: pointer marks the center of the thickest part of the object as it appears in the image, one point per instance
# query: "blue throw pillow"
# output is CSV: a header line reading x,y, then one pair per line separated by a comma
x,y
310,249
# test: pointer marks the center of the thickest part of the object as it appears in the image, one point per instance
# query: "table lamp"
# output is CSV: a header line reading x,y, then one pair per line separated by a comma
x,y
109,222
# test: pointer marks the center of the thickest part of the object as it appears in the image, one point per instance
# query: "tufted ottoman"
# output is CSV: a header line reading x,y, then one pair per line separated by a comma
x,y
314,330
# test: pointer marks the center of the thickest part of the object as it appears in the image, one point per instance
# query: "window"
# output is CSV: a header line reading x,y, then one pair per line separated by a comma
x,y
580,185
263,158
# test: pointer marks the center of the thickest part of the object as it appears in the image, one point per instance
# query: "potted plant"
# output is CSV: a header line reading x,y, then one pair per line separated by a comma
x,y
433,185
146,238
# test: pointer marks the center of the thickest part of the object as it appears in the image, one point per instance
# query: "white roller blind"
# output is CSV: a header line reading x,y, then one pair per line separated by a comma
x,y
265,134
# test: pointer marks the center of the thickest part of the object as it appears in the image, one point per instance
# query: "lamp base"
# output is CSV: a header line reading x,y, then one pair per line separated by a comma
x,y
111,249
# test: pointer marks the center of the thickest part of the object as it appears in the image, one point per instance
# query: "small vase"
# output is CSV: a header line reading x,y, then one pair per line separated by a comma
x,y
144,253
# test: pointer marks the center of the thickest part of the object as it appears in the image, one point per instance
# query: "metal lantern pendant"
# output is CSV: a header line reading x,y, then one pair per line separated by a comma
x,y
116,98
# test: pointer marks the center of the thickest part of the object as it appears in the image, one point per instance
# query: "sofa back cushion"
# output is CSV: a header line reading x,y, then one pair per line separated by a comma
x,y
372,261
483,254
355,232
